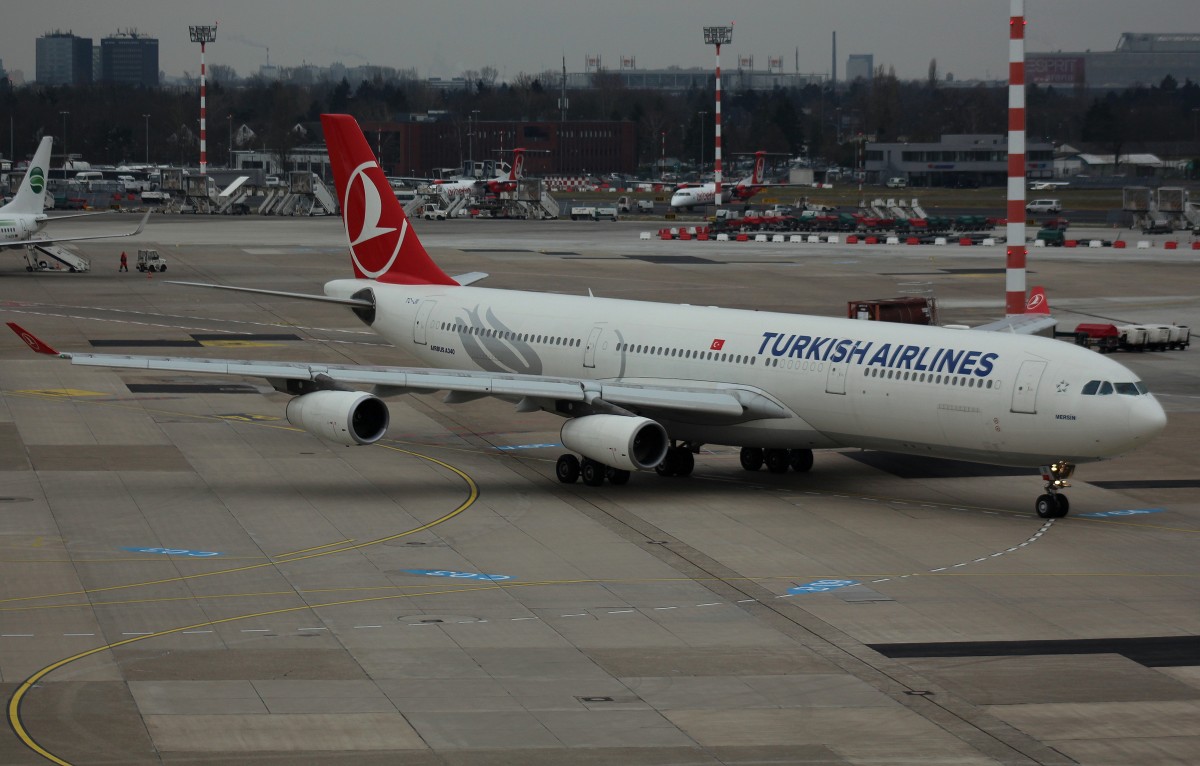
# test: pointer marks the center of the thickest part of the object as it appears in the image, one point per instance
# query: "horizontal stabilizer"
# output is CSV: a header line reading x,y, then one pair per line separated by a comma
x,y
281,294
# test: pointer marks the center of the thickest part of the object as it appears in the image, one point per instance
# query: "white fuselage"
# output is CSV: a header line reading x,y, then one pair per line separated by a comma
x,y
16,227
693,196
982,396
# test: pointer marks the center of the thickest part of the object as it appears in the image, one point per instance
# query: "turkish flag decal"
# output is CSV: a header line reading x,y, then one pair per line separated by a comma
x,y
717,344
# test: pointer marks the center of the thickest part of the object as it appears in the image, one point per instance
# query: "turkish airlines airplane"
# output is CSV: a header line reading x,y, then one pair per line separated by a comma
x,y
470,187
22,219
642,386
687,197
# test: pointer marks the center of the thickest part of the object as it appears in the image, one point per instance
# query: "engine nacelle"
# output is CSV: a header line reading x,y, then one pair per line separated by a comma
x,y
345,417
617,441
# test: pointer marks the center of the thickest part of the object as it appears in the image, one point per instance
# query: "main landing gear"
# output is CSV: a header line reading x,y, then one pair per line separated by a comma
x,y
679,461
570,468
1053,504
777,460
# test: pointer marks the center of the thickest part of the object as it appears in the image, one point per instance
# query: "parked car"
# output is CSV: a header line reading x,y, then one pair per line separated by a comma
x,y
897,183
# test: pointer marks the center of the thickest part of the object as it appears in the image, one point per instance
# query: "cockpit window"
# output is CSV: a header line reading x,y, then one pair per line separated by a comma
x,y
1103,388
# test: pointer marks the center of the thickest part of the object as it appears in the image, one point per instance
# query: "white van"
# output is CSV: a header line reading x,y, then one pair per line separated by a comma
x,y
1044,206
897,183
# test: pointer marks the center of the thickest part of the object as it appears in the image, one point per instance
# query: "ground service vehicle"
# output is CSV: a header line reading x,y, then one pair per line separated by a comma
x,y
1044,206
150,260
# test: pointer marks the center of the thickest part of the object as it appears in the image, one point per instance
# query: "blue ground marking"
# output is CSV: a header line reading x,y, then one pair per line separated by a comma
x,y
459,575
176,552
1118,514
820,586
528,446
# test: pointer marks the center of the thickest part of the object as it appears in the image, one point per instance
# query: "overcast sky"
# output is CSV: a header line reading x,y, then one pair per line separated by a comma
x,y
442,38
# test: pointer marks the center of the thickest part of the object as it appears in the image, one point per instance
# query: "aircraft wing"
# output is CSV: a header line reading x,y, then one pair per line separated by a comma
x,y
1020,324
1035,321
53,240
694,399
53,218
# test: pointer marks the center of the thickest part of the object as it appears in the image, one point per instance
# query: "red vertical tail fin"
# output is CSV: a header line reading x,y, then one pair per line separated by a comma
x,y
382,245
1037,303
760,161
518,165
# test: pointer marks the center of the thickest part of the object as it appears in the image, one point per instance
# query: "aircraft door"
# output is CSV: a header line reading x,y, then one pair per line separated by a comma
x,y
1025,391
589,351
422,320
836,382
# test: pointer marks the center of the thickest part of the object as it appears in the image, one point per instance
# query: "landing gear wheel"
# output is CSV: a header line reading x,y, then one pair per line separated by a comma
x,y
1054,504
777,460
1064,506
567,468
1047,507
678,462
592,472
752,458
618,476
801,460
685,461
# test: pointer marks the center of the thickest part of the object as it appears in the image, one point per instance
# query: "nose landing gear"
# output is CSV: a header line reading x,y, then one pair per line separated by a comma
x,y
1053,504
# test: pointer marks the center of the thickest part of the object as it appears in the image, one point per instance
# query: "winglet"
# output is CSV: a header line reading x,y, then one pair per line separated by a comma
x,y
1037,303
141,225
32,340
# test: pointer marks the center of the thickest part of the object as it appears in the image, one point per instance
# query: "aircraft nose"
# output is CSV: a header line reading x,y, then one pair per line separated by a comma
x,y
1146,419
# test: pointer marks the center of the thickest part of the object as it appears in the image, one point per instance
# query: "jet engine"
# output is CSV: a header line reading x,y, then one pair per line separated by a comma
x,y
617,441
345,417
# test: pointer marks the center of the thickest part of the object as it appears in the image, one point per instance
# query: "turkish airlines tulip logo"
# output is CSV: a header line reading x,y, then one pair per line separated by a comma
x,y
1035,302
37,180
373,248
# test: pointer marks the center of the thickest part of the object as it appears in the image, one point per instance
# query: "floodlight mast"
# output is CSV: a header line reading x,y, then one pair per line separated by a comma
x,y
203,34
1014,300
717,36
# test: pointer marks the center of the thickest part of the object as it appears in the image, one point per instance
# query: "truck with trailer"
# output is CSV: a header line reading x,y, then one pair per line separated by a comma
x,y
1107,338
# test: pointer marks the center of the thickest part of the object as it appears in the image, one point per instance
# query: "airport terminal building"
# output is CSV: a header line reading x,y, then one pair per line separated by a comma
x,y
955,160
1140,59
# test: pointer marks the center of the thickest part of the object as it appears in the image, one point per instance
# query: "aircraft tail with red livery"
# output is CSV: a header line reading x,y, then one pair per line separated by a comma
x,y
1037,303
383,246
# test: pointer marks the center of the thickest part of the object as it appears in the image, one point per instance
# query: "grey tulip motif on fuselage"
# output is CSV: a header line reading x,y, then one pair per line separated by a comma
x,y
495,347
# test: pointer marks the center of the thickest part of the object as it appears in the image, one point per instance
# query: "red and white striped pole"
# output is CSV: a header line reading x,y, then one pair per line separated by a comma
x,y
1014,280
717,139
717,36
203,118
203,34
